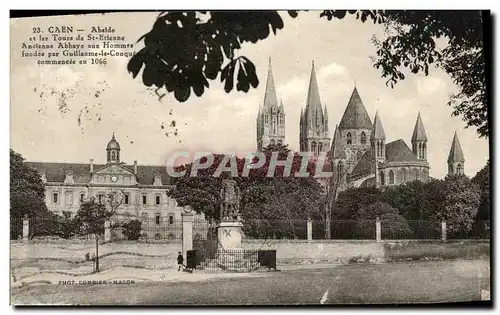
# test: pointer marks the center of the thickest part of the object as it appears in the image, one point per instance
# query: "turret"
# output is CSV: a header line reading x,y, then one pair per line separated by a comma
x,y
456,160
419,139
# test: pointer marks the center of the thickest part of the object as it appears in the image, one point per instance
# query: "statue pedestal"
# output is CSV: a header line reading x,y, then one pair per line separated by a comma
x,y
229,234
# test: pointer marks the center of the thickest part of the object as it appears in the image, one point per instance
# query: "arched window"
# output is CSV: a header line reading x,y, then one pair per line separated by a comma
x,y
404,175
118,156
459,169
363,138
349,138
109,155
313,147
424,151
382,178
417,174
320,147
113,155
419,151
340,168
450,169
391,177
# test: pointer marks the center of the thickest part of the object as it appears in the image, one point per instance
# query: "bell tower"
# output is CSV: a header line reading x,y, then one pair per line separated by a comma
x,y
113,151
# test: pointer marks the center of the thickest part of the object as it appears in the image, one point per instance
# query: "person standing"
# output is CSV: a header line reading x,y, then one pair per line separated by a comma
x,y
180,261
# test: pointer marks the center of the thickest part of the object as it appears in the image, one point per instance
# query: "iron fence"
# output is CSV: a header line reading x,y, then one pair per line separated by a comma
x,y
231,259
65,228
16,228
275,229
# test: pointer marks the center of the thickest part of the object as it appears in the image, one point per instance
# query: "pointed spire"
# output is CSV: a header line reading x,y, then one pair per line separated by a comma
x,y
281,105
337,151
313,99
270,99
355,115
378,130
419,131
456,154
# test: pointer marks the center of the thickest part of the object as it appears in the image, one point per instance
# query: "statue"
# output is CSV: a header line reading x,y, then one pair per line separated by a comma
x,y
230,195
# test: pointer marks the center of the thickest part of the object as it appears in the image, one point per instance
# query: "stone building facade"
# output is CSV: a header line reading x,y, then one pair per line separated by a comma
x,y
142,190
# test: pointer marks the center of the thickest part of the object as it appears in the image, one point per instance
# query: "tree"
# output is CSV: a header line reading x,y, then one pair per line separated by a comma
x,y
407,198
132,229
351,200
92,214
456,201
184,50
27,197
482,179
393,225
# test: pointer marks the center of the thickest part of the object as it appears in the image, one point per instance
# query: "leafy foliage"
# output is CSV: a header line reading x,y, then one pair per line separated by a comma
x,y
482,179
132,229
393,225
185,50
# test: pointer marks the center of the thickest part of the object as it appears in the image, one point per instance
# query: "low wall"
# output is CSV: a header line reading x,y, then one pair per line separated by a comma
x,y
302,251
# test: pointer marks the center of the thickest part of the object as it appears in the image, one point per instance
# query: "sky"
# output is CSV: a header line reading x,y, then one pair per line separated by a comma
x,y
68,113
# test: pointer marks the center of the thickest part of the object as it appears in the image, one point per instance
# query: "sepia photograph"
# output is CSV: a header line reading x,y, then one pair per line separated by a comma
x,y
250,157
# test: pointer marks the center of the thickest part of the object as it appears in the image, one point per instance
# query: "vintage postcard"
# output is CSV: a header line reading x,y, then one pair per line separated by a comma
x,y
323,157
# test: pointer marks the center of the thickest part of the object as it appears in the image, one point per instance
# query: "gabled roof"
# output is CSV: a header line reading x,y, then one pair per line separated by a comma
x,y
337,148
419,130
270,99
365,165
456,154
398,151
56,172
378,130
355,115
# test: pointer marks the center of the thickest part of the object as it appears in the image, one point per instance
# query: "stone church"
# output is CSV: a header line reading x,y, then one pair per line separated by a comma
x,y
142,188
359,154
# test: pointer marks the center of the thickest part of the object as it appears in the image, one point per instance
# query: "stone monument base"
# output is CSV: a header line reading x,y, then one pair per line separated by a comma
x,y
229,234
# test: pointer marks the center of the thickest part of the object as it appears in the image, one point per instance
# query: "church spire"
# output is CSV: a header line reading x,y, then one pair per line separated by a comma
x,y
419,131
456,160
313,99
378,130
270,99
355,115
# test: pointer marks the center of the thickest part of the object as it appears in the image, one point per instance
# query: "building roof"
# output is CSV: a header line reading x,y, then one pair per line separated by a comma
x,y
270,98
355,115
313,104
378,130
456,154
398,151
337,148
56,172
419,130
113,144
365,165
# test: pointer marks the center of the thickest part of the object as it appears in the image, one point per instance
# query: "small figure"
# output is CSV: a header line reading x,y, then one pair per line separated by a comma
x,y
93,261
180,262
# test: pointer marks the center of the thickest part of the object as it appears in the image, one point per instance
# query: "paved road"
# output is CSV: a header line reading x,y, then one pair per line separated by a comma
x,y
417,282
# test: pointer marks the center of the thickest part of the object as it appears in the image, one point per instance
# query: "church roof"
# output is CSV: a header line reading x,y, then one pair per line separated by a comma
x,y
365,165
270,99
355,115
313,100
337,151
378,130
398,151
56,172
419,131
456,154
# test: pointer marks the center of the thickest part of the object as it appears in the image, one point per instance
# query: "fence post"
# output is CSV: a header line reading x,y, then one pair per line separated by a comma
x,y
107,231
443,231
309,229
378,230
187,232
26,228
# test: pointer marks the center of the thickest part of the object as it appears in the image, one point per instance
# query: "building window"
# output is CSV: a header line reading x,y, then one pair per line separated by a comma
x,y
349,138
55,198
113,156
391,177
157,219
459,169
424,151
127,199
157,200
109,156
404,176
382,178
313,147
82,198
171,219
144,199
363,138
100,198
320,147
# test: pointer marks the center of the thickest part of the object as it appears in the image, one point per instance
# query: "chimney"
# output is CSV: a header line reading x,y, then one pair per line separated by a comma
x,y
135,167
91,166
